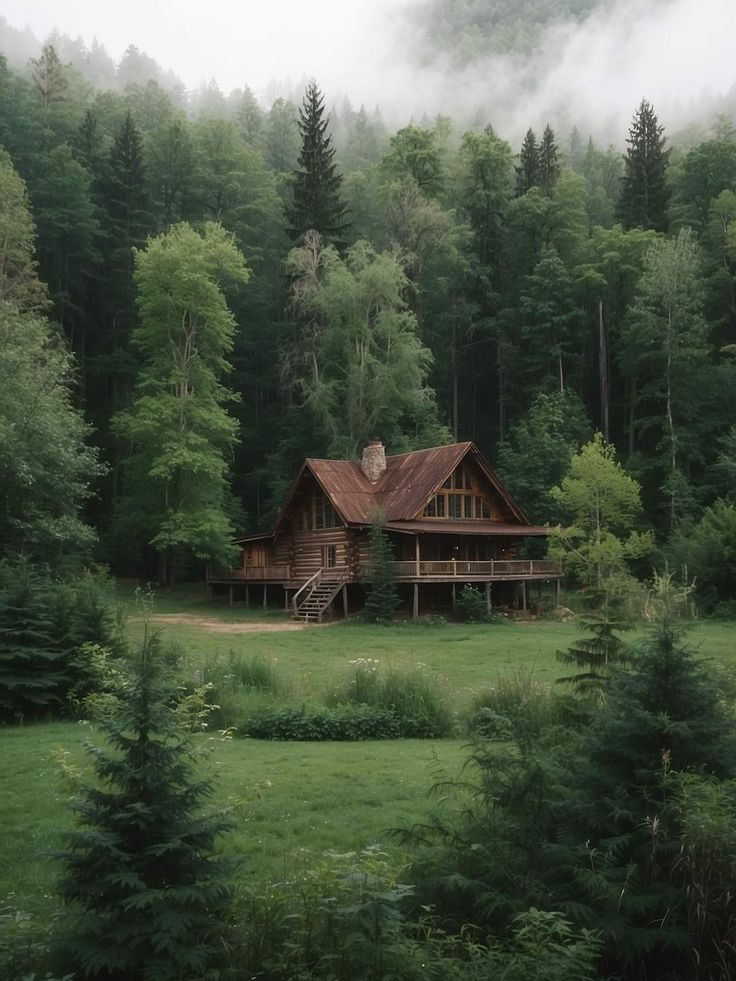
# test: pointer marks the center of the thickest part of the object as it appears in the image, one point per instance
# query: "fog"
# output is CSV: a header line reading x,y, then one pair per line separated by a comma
x,y
676,53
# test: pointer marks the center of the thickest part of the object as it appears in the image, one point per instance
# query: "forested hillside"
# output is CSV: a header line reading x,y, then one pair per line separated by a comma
x,y
459,287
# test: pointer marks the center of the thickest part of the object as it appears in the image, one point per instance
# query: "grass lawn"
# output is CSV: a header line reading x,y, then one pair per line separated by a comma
x,y
290,800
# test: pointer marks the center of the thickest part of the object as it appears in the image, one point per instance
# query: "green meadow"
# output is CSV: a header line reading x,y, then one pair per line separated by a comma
x,y
290,801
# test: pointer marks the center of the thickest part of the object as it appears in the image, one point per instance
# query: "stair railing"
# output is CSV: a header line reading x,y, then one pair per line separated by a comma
x,y
311,585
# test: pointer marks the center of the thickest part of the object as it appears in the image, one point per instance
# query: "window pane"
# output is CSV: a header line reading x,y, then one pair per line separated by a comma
x,y
468,506
456,505
440,505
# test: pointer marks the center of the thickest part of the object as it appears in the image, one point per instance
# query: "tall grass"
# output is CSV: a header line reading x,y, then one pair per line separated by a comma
x,y
420,707
518,706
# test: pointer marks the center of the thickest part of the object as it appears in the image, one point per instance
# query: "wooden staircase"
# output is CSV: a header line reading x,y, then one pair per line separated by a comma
x,y
311,601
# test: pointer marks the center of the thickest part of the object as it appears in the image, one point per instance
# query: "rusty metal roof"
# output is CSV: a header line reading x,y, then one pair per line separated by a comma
x,y
405,486
408,481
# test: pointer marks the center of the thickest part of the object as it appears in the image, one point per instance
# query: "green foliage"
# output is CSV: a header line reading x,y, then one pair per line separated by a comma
x,y
311,722
60,641
538,451
411,697
589,825
707,550
382,598
644,190
140,877
31,663
177,494
599,651
667,347
604,505
517,707
316,205
367,371
471,605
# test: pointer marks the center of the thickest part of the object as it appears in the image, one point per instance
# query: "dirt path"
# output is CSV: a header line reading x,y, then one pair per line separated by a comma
x,y
226,627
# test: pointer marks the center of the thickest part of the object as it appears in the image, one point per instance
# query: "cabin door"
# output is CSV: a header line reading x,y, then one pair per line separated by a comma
x,y
255,556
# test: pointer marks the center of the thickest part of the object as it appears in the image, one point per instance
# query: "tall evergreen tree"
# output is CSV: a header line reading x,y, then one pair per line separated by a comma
x,y
644,191
527,173
141,879
316,183
548,158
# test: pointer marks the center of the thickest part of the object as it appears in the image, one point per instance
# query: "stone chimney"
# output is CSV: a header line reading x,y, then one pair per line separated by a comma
x,y
374,460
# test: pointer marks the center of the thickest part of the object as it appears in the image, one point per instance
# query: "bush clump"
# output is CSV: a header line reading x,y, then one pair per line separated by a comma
x,y
411,696
516,707
322,723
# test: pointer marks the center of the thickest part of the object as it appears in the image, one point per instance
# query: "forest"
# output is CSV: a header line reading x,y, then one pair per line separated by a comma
x,y
197,291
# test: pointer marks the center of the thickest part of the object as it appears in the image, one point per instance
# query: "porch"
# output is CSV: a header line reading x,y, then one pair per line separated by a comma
x,y
422,570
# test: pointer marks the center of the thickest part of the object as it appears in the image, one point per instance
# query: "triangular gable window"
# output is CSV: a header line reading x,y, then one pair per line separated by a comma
x,y
463,497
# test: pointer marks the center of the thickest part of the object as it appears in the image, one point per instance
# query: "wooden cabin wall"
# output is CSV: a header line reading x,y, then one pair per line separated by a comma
x,y
308,550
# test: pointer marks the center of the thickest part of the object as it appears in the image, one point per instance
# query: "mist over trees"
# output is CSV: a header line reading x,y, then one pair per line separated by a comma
x,y
457,286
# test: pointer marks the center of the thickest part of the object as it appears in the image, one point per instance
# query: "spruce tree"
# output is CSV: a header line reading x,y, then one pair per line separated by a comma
x,y
382,597
527,173
548,160
141,881
644,191
316,183
31,672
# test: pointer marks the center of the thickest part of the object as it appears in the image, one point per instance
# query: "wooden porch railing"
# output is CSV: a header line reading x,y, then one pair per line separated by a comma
x,y
491,568
257,573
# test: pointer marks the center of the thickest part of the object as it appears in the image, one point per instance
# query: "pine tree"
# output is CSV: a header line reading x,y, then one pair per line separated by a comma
x,y
316,184
30,663
600,650
382,597
644,191
527,173
141,880
548,157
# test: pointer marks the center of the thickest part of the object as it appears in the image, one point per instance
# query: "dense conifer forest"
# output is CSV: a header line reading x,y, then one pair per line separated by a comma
x,y
200,289
528,295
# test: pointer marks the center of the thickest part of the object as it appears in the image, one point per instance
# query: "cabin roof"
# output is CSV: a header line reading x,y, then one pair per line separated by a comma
x,y
463,527
403,489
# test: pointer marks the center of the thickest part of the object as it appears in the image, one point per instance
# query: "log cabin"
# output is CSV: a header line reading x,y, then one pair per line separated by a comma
x,y
449,518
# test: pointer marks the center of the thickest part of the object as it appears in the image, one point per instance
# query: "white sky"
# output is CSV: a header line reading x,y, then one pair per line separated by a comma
x,y
669,51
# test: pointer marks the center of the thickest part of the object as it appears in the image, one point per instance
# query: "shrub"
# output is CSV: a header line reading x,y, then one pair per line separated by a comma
x,y
420,709
519,707
471,605
309,722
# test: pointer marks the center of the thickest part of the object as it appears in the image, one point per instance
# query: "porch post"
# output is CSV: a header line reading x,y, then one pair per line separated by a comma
x,y
416,554
265,594
230,595
286,598
558,592
415,610
489,604
523,595
454,598
345,600
247,596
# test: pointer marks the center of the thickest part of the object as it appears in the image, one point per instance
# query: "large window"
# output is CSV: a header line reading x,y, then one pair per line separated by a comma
x,y
323,514
463,497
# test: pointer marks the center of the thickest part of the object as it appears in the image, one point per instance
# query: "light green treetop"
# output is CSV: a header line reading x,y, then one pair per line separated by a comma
x,y
603,503
181,433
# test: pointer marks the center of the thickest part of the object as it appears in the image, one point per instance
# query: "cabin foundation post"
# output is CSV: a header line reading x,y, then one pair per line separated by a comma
x,y
523,596
416,554
454,598
265,595
415,608
230,595
558,592
286,598
345,600
489,602
247,596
